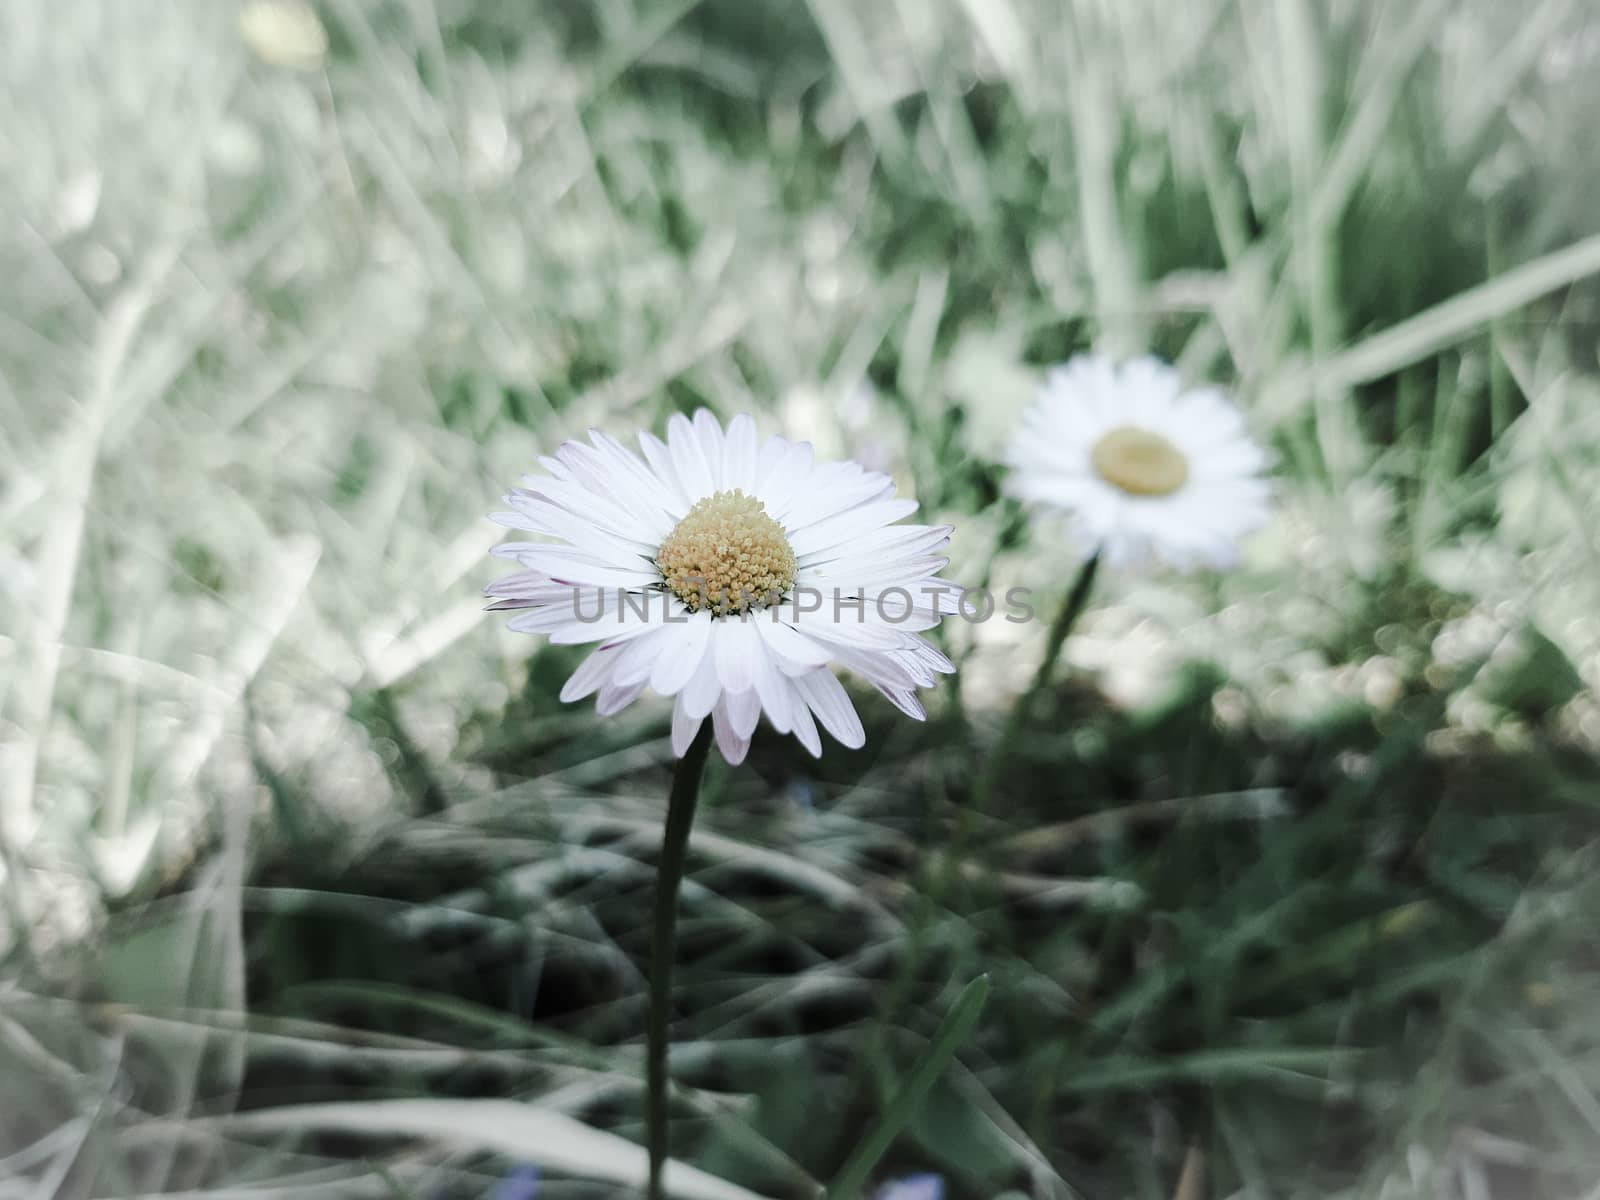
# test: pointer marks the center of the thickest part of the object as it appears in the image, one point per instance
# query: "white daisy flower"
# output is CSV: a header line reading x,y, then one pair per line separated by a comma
x,y
730,574
1148,468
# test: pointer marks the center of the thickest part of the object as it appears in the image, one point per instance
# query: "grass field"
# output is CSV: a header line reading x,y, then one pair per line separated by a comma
x,y
1288,890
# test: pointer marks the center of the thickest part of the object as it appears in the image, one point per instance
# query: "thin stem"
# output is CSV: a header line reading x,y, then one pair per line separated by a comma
x,y
669,874
1077,600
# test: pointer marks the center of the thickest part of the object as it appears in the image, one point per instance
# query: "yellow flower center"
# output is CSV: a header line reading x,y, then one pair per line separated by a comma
x,y
727,555
1139,462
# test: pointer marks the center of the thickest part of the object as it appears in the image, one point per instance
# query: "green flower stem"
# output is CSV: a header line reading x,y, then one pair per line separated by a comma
x,y
669,875
1077,600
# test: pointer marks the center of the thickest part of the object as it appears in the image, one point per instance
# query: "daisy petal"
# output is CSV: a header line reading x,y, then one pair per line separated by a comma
x,y
786,477
744,710
709,431
739,455
826,697
681,655
777,694
906,701
805,728
790,645
849,524
614,698
591,674
660,459
704,689
735,645
637,658
733,746
689,458
684,727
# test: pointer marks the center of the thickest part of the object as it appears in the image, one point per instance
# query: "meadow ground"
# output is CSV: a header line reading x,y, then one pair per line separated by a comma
x,y
1288,890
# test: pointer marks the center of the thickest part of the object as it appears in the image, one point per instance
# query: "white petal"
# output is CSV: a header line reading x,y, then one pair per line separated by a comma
x,y
704,689
778,487
777,694
608,470
805,728
591,674
846,525
538,513
554,467
892,541
638,658
570,565
827,698
900,584
744,710
831,489
880,669
935,658
607,616
860,635
592,509
625,461
772,452
681,655
553,615
734,645
906,702
684,727
524,584
789,644
709,430
660,460
689,459
739,455
615,697
1154,385
733,746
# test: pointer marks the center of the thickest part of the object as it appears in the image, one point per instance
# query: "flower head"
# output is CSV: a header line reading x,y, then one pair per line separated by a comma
x,y
730,574
1147,467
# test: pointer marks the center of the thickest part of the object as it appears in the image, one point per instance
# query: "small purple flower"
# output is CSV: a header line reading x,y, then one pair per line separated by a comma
x,y
521,1184
912,1187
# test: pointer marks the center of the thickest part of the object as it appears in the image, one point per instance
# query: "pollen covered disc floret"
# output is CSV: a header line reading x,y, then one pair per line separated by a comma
x,y
1146,466
730,573
727,555
1139,462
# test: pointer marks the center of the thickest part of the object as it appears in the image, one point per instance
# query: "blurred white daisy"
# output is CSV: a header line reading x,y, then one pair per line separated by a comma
x,y
1147,467
730,574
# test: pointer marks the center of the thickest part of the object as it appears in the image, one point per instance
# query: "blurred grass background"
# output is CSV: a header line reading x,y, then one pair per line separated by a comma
x,y
1291,890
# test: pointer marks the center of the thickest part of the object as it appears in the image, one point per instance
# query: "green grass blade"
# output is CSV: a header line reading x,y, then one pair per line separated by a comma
x,y
952,1032
1444,324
